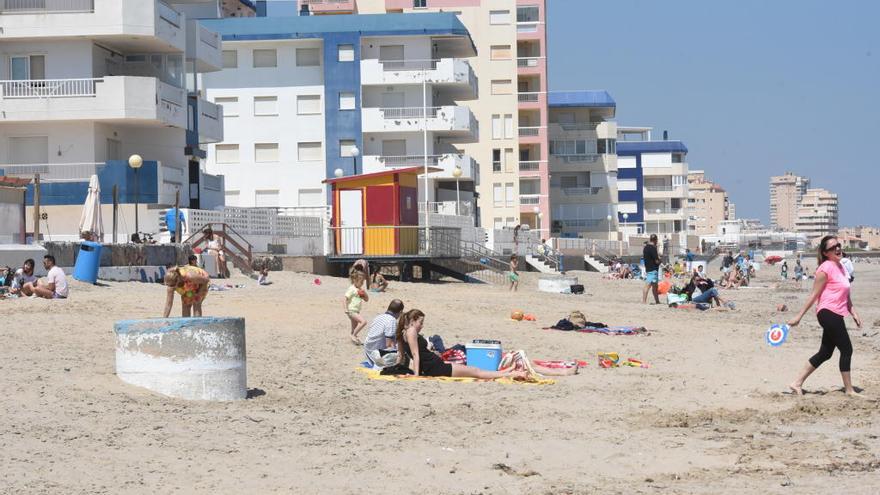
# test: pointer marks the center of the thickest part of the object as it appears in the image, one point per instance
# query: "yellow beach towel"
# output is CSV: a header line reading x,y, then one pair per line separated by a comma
x,y
374,375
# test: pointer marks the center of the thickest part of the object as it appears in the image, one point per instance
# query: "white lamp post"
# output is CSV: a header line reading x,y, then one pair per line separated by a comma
x,y
338,173
625,217
456,172
657,211
135,162
608,218
354,155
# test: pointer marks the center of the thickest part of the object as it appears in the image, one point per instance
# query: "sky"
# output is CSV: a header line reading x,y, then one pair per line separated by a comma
x,y
754,88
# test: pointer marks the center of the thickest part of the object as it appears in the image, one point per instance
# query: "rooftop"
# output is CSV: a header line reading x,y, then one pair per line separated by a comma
x,y
591,99
624,147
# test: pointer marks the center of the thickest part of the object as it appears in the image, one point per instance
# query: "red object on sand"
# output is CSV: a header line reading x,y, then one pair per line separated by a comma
x,y
317,281
772,260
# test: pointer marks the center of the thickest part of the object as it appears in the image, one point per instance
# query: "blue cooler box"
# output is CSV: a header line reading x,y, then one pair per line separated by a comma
x,y
485,355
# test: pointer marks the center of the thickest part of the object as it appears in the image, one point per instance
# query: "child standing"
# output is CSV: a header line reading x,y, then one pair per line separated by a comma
x,y
514,275
354,298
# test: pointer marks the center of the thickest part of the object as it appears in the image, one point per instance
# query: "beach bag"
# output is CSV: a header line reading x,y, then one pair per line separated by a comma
x,y
397,369
577,319
577,289
564,324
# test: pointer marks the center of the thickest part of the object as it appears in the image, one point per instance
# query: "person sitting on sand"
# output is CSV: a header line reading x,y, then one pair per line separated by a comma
x,y
191,282
55,285
380,346
215,248
23,276
426,363
263,275
354,299
378,282
192,260
708,292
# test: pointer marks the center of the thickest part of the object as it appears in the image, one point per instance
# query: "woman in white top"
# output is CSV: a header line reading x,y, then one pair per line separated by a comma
x,y
215,247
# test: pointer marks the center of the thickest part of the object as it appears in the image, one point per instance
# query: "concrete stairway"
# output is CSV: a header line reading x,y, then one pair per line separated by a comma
x,y
541,264
595,264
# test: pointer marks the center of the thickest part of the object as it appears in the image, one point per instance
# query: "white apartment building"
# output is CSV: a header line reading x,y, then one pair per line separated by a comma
x,y
84,84
308,97
786,192
817,215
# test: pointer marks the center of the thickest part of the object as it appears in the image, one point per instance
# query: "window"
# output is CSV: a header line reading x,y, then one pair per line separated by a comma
x,y
497,194
509,162
226,153
391,53
230,59
27,67
627,184
345,147
676,157
345,53
498,223
233,198
628,207
502,87
508,126
308,104
266,198
508,193
527,14
229,104
497,17
568,181
420,4
499,52
346,100
608,146
265,58
309,152
626,162
265,105
569,147
510,222
308,57
496,127
311,197
29,149
496,160
266,152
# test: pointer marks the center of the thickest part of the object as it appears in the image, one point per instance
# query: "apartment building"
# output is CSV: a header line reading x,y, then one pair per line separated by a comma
x,y
582,165
786,192
651,183
869,237
84,84
817,215
510,38
707,206
309,97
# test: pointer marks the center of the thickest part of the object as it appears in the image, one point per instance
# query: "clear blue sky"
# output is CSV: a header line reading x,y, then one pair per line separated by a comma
x,y
753,87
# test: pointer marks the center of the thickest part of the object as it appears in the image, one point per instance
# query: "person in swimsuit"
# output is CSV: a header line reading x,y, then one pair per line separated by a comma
x,y
423,362
191,282
832,291
215,247
514,274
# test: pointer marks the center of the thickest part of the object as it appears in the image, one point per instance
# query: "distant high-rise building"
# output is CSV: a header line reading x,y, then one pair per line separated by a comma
x,y
817,214
731,211
786,192
708,204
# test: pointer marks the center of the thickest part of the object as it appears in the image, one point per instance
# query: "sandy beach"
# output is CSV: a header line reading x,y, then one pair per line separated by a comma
x,y
708,416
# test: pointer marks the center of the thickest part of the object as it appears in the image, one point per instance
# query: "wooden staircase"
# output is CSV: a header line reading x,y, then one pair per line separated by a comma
x,y
237,249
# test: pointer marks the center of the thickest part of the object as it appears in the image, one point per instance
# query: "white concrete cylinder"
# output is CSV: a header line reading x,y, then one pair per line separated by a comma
x,y
556,283
187,358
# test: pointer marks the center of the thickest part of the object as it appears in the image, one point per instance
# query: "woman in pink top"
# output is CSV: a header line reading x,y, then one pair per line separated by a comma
x,y
831,289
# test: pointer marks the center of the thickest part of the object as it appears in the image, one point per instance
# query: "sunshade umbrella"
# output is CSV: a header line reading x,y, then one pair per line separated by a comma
x,y
91,220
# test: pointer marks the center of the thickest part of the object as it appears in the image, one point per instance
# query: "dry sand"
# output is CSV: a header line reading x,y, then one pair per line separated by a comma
x,y
708,416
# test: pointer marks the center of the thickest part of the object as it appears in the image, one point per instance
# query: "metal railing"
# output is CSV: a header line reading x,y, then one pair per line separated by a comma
x,y
589,158
530,97
462,208
577,126
168,14
530,131
236,248
529,199
528,61
530,166
209,37
409,65
581,191
409,112
50,88
661,188
663,211
527,27
409,160
46,6
55,172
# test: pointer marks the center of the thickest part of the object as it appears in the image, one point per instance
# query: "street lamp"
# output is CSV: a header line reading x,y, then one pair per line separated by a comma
x,y
338,173
456,172
608,218
135,162
354,155
657,211
625,226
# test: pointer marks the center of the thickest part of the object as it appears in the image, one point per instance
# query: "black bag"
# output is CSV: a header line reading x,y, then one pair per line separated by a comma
x,y
577,289
397,369
564,324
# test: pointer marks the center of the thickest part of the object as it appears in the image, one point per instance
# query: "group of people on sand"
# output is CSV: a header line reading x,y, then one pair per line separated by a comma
x,y
23,282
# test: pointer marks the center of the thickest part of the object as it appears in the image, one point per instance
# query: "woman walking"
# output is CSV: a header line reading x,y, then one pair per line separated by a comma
x,y
831,290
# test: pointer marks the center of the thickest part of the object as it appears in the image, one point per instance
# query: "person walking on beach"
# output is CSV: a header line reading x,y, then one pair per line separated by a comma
x,y
831,289
354,299
847,263
513,275
689,259
191,282
652,265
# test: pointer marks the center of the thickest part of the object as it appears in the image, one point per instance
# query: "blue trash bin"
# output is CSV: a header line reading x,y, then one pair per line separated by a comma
x,y
87,262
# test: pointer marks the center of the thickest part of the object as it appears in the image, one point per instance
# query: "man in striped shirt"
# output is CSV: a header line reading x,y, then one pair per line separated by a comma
x,y
380,346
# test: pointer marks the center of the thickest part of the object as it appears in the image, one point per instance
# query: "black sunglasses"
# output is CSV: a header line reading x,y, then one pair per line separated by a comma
x,y
832,248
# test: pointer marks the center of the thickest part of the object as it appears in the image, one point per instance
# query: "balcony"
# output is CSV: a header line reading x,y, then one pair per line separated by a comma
x,y
531,65
530,30
664,192
529,199
582,191
532,100
210,122
448,162
131,26
532,134
453,121
674,169
666,214
144,99
330,6
203,46
526,166
455,73
591,162
589,130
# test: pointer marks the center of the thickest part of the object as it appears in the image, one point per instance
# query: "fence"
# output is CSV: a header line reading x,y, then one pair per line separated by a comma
x,y
409,112
55,172
49,88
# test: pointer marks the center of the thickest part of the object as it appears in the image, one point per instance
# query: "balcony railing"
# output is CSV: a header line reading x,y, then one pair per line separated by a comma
x,y
55,172
530,131
409,65
170,15
46,6
578,126
410,160
530,165
49,88
531,97
661,188
528,61
663,211
529,199
409,112
585,158
463,208
209,37
527,27
581,191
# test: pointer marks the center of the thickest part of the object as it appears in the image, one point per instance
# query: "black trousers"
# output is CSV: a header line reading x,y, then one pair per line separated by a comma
x,y
834,334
